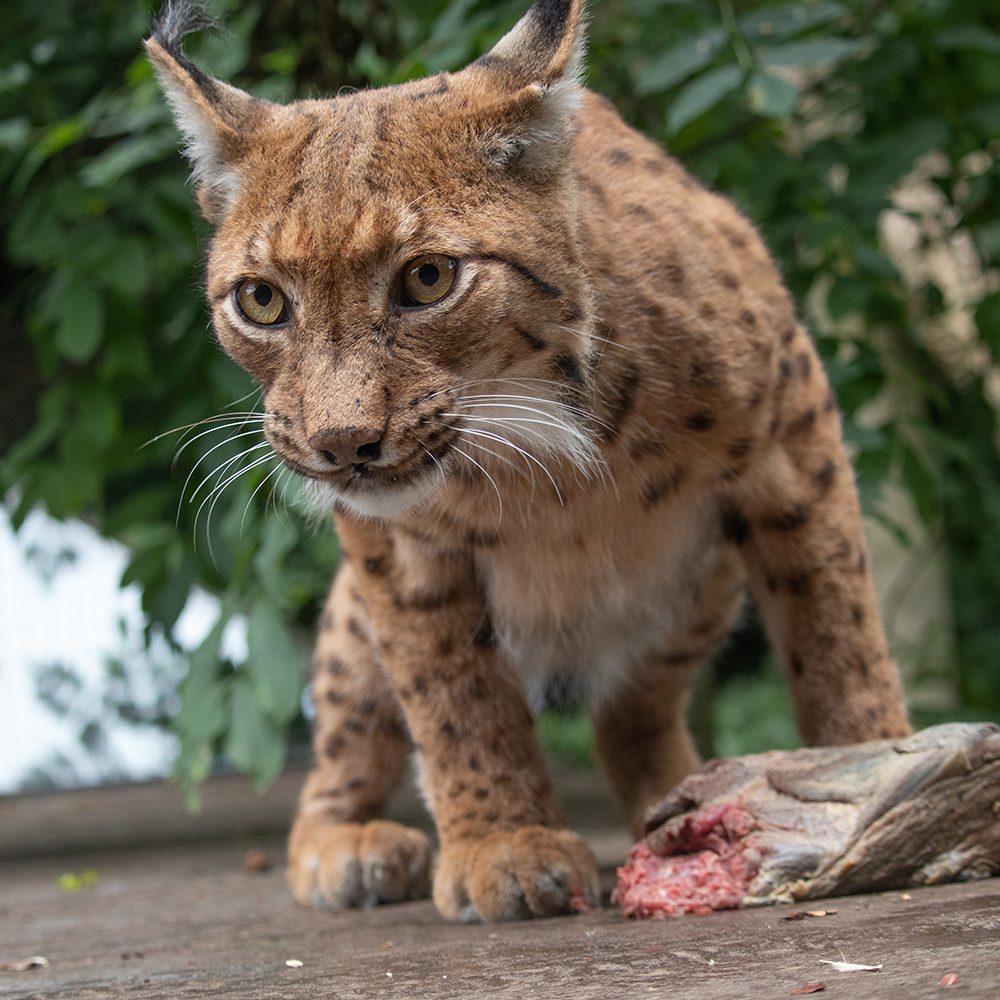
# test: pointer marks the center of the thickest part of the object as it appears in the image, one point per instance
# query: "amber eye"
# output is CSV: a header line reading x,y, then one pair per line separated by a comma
x,y
260,302
428,279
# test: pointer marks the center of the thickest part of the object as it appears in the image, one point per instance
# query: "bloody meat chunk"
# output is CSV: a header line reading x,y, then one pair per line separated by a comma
x,y
789,825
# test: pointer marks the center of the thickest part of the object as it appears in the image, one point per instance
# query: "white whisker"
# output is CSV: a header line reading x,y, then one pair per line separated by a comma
x,y
500,439
496,488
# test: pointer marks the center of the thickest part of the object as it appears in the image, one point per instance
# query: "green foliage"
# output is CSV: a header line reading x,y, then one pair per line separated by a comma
x,y
808,114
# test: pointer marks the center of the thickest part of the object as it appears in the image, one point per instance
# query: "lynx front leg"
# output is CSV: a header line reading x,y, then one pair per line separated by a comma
x,y
641,734
797,522
505,852
339,854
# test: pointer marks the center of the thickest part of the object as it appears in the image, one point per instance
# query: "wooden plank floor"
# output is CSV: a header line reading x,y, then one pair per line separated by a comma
x,y
185,920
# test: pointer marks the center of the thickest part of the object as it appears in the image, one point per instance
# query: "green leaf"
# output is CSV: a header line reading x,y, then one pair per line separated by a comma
x,y
968,36
772,96
788,21
677,63
254,743
274,664
701,94
809,53
988,322
127,156
922,485
80,324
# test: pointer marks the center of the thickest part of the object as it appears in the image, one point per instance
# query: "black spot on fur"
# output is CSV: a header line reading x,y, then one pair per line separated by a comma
x,y
826,474
804,363
784,370
536,342
419,684
700,421
569,365
798,667
740,448
548,290
336,666
857,614
619,156
788,520
802,423
797,584
622,398
659,489
442,88
473,763
355,628
748,318
680,659
334,746
702,373
485,638
335,697
735,526
788,336
447,729
482,793
354,784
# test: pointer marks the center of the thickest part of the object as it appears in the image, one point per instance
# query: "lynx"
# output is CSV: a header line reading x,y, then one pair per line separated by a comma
x,y
556,397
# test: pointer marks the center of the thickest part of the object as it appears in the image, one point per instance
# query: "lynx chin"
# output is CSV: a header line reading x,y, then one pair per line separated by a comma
x,y
556,396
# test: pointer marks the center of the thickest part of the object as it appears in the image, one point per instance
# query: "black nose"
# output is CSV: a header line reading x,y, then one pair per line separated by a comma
x,y
348,445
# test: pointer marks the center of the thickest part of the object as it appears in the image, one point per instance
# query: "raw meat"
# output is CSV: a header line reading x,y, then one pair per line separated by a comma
x,y
789,825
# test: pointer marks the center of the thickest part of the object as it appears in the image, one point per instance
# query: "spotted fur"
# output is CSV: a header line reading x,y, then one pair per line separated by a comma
x,y
572,464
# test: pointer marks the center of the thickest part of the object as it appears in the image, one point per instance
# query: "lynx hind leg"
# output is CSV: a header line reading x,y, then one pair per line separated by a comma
x,y
641,735
340,854
797,522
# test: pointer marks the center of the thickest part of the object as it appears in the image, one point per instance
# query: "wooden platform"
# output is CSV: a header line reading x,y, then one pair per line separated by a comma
x,y
183,919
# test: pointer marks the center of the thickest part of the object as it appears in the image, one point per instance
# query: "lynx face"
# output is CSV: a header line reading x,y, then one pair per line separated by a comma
x,y
396,268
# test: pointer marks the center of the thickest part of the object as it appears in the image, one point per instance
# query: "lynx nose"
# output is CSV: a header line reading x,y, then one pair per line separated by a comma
x,y
348,445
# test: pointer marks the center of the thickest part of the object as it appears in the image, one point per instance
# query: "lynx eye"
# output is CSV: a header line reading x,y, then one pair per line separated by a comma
x,y
260,302
427,279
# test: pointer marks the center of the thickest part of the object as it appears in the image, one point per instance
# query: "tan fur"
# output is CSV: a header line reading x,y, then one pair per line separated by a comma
x,y
681,439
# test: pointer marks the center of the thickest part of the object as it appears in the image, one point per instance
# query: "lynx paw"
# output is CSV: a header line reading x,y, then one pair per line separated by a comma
x,y
333,866
533,871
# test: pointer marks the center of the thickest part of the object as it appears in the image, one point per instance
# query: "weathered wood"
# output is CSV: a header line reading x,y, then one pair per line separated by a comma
x,y
187,921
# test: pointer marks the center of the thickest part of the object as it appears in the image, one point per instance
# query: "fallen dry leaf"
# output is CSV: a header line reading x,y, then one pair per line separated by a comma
x,y
949,979
23,964
255,861
801,991
802,914
851,966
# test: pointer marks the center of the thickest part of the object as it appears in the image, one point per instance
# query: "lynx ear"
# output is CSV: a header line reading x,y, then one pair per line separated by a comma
x,y
545,47
537,64
212,116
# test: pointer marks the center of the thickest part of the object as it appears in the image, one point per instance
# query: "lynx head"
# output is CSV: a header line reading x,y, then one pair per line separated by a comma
x,y
399,268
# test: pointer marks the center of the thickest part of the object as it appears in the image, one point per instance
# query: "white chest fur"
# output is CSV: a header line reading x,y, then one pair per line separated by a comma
x,y
593,602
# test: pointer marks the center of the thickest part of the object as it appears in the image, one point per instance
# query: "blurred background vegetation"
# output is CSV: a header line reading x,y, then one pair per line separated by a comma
x,y
861,136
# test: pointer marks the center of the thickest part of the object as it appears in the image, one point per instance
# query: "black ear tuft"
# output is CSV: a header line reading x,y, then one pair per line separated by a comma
x,y
551,16
178,18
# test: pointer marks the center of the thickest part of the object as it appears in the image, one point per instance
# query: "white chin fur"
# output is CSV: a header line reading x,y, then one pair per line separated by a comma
x,y
383,505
